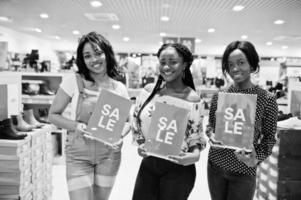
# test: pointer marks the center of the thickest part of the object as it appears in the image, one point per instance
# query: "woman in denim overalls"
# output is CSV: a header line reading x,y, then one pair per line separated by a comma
x,y
91,166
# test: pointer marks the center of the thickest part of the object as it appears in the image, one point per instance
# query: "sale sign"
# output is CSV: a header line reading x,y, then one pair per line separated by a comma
x,y
166,131
235,120
109,117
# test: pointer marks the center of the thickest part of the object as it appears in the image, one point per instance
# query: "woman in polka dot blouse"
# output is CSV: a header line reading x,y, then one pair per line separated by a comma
x,y
232,173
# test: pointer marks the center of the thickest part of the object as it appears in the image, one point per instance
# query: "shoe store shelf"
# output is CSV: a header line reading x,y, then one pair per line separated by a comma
x,y
37,99
26,165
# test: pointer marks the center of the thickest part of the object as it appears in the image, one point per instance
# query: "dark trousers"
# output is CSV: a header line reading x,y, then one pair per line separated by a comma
x,y
159,179
225,185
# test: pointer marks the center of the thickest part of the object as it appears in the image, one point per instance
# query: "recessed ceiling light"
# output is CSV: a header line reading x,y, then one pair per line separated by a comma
x,y
198,40
44,15
211,30
76,32
269,43
238,8
126,39
95,4
116,26
162,34
279,22
244,37
38,30
164,18
57,37
166,5
5,19
284,47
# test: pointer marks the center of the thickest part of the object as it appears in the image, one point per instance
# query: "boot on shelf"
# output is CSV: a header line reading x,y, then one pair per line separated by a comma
x,y
44,89
8,132
43,115
20,124
30,119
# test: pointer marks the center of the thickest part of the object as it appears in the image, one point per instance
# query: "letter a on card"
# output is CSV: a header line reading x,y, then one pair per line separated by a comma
x,y
235,120
109,117
166,131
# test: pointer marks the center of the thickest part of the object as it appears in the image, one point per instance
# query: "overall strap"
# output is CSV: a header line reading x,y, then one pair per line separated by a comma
x,y
80,83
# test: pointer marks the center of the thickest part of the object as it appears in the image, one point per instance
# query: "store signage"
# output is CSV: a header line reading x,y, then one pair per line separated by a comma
x,y
108,119
235,120
166,131
187,41
171,40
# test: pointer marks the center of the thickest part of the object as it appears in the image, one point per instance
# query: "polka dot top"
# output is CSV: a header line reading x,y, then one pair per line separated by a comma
x,y
264,135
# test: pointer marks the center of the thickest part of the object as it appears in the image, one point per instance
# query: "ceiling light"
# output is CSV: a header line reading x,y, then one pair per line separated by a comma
x,y
238,8
164,18
57,37
126,39
244,37
269,43
162,34
166,5
95,4
5,19
38,30
44,15
198,40
75,32
284,47
211,30
115,26
279,22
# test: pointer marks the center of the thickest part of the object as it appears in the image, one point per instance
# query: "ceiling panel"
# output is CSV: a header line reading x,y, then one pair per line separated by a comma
x,y
140,20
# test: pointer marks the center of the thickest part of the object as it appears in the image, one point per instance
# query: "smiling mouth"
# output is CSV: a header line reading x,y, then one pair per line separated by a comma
x,y
167,73
97,65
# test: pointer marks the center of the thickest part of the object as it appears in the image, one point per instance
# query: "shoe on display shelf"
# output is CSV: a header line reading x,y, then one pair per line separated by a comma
x,y
20,124
291,123
30,119
44,89
8,132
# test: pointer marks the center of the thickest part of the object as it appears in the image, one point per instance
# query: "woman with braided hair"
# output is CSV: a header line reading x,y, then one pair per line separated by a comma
x,y
161,179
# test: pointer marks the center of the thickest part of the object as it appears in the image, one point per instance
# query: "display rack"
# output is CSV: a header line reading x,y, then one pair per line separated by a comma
x,y
26,166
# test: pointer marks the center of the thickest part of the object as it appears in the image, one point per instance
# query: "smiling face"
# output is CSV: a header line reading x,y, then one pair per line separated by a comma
x,y
171,65
94,59
239,68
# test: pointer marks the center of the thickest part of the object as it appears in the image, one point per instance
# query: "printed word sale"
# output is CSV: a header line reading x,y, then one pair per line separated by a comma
x,y
170,128
108,118
238,119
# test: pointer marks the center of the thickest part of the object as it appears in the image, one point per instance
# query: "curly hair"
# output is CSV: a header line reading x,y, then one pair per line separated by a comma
x,y
97,41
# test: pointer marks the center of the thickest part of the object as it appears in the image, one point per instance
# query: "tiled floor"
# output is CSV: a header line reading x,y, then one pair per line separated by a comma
x,y
125,181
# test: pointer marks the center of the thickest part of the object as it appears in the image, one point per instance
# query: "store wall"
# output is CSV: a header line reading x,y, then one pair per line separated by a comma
x,y
23,43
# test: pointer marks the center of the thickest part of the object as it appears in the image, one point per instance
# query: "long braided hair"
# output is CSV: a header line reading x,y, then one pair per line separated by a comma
x,y
187,56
